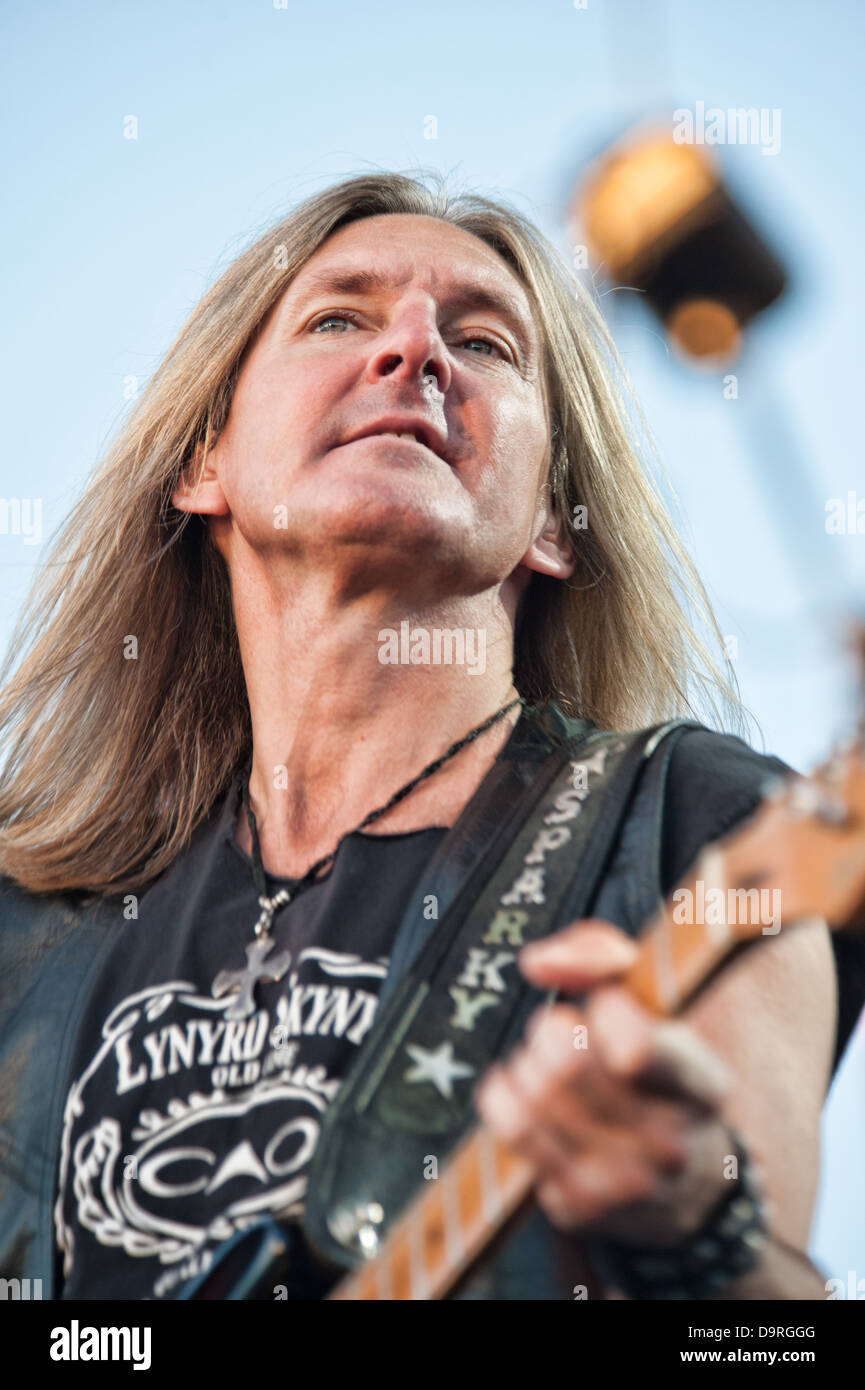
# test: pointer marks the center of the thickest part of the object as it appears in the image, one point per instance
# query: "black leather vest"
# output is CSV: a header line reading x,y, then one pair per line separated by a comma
x,y
51,951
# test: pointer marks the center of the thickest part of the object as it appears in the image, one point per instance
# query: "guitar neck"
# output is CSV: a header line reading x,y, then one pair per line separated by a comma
x,y
672,964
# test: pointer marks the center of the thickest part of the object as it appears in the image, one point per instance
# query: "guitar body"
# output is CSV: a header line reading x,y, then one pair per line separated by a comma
x,y
267,1262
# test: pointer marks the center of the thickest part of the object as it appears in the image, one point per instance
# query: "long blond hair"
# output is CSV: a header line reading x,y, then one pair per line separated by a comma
x,y
110,763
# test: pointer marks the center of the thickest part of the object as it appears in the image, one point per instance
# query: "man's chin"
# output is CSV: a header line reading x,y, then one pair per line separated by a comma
x,y
395,511
391,539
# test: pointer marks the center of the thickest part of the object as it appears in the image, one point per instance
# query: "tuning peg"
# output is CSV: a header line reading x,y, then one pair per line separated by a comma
x,y
806,798
810,799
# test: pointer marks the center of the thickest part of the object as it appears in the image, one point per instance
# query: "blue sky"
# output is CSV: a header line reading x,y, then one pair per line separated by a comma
x,y
243,108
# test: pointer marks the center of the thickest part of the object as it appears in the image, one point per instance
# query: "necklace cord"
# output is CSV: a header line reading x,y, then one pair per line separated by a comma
x,y
258,871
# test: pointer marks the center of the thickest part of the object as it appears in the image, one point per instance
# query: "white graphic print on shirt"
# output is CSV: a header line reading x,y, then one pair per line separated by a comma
x,y
209,1123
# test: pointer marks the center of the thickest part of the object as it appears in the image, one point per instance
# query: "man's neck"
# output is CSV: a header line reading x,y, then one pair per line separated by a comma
x,y
337,730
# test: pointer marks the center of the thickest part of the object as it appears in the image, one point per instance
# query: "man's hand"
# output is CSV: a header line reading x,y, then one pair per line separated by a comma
x,y
618,1111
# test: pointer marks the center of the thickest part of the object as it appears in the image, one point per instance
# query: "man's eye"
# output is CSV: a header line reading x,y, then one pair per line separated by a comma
x,y
328,318
487,342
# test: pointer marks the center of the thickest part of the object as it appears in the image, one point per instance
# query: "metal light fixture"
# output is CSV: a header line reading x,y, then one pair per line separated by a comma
x,y
656,217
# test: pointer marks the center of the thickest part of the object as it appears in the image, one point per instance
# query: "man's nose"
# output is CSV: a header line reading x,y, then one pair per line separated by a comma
x,y
412,348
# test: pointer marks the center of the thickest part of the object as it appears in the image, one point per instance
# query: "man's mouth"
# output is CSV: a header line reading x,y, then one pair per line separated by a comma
x,y
390,434
416,431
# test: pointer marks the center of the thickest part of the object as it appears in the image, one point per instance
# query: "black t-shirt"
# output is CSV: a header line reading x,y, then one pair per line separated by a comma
x,y
183,1126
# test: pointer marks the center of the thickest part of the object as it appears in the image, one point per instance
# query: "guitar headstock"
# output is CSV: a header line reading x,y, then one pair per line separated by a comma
x,y
805,847
806,843
800,856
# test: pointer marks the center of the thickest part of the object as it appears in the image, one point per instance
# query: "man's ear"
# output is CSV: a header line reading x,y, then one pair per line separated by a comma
x,y
199,489
550,552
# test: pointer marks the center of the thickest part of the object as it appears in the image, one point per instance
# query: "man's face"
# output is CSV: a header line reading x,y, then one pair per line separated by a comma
x,y
401,319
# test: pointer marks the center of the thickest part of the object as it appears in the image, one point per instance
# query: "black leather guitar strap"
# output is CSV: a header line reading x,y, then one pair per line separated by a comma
x,y
461,1002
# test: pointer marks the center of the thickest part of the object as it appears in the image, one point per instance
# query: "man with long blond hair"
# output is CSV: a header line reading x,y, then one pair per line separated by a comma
x,y
376,527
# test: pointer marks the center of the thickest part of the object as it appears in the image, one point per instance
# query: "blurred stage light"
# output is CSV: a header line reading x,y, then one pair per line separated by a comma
x,y
656,217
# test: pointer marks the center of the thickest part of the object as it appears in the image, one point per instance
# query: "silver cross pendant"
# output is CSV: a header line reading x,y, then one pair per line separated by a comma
x,y
258,967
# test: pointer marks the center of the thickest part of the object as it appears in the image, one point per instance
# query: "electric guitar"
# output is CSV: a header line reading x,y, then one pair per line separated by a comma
x,y
806,842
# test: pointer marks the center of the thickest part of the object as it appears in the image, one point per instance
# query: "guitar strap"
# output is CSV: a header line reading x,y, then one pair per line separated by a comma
x,y
510,871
